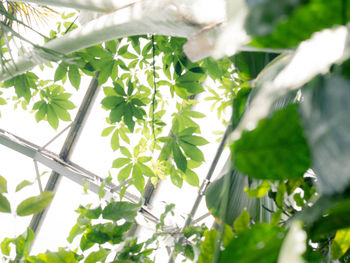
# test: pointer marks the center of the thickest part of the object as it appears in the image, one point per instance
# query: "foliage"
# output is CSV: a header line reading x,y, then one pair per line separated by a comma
x,y
284,188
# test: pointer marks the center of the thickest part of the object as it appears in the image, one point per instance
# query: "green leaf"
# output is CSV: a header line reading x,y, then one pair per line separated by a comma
x,y
326,123
107,131
3,101
192,151
276,149
292,28
90,213
226,199
194,140
175,178
119,162
52,117
60,112
120,210
260,244
124,173
23,184
259,191
85,244
105,71
191,178
166,151
40,114
74,76
138,179
179,158
35,204
117,113
242,222
189,252
75,231
115,140
58,257
5,206
125,152
3,185
97,256
60,72
128,117
118,87
111,102
340,243
5,246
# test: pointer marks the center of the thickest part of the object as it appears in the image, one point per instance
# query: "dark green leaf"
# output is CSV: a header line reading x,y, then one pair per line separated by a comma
x,y
60,72
179,158
112,101
117,113
250,64
120,210
35,204
260,244
74,76
189,252
276,149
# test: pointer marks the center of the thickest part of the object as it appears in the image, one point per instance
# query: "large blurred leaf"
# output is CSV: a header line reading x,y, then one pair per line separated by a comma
x,y
325,113
260,244
289,72
340,243
266,14
34,204
249,64
230,186
337,217
276,149
312,16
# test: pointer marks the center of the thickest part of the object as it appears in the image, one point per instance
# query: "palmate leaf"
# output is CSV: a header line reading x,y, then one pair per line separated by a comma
x,y
326,124
275,150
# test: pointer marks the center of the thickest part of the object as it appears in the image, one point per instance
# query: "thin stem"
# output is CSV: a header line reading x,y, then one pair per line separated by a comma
x,y
154,90
56,136
38,176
